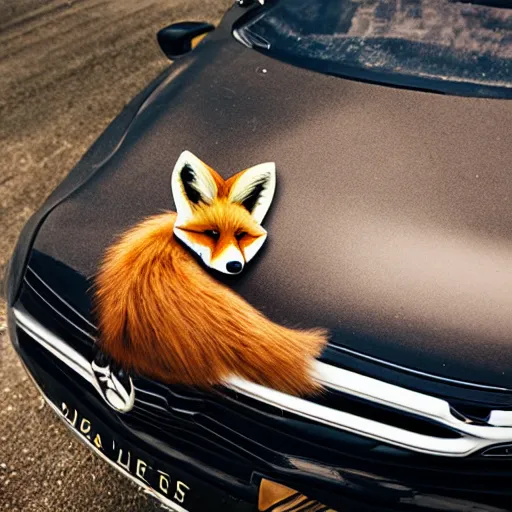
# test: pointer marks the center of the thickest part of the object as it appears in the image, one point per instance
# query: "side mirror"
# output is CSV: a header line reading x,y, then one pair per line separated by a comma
x,y
178,39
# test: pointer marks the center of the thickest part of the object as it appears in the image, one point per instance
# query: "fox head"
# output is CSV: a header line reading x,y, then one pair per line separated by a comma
x,y
221,220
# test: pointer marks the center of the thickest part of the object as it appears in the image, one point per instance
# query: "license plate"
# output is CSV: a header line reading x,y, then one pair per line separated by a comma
x,y
168,489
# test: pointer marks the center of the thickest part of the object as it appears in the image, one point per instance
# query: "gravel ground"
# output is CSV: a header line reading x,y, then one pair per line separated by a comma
x,y
66,69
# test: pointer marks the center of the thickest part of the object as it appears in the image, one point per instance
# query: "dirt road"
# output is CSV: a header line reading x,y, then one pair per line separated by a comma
x,y
67,67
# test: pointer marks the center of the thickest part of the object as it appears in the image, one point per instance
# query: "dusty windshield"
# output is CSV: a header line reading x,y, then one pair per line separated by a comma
x,y
440,45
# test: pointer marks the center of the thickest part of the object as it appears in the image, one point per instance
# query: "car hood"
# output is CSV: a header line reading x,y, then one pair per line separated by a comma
x,y
392,222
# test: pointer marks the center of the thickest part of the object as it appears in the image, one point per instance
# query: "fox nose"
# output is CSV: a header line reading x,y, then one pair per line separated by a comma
x,y
234,267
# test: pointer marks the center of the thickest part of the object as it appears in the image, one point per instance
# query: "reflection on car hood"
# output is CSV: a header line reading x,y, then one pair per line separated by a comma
x,y
391,226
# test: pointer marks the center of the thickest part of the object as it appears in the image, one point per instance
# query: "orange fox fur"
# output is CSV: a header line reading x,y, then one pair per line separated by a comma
x,y
161,315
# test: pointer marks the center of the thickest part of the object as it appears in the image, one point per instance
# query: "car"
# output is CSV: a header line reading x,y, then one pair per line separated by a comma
x,y
389,122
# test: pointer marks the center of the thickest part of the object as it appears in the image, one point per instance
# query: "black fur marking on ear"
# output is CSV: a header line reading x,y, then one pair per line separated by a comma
x,y
250,200
188,177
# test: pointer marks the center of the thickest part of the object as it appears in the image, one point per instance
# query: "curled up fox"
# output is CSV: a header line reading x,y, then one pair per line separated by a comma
x,y
163,316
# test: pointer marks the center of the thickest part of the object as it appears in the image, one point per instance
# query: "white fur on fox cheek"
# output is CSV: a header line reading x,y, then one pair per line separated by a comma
x,y
204,252
251,249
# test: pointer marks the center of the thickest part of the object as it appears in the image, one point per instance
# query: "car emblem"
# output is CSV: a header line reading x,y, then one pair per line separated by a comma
x,y
114,385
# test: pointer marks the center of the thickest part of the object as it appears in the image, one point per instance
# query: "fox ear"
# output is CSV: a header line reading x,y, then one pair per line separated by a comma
x,y
193,182
254,189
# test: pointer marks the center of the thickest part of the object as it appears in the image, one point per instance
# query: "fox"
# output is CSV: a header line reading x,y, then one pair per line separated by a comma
x,y
163,315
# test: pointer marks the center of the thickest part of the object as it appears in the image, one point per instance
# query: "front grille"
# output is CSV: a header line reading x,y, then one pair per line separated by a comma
x,y
227,428
245,422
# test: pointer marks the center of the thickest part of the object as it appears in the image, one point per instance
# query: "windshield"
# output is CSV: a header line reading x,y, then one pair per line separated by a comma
x,y
439,45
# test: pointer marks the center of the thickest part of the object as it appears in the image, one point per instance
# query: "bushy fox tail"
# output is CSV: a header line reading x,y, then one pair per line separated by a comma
x,y
161,315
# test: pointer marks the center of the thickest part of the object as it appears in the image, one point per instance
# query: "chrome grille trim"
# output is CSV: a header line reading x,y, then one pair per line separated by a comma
x,y
55,345
500,418
472,438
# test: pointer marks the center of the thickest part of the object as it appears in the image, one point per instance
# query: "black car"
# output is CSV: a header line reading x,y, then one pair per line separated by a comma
x,y
391,128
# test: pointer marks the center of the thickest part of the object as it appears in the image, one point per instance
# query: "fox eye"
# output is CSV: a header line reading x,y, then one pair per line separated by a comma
x,y
212,234
240,235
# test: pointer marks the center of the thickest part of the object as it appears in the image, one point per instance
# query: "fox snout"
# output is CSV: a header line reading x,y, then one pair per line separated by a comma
x,y
229,261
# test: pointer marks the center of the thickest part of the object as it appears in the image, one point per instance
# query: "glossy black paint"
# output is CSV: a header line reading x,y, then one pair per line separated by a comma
x,y
375,187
